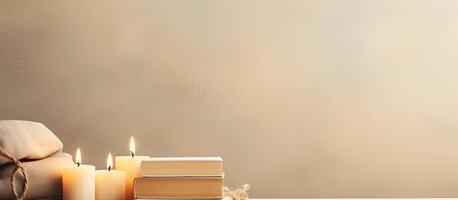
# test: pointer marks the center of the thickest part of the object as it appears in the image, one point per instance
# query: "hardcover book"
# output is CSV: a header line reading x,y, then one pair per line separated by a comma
x,y
188,187
182,166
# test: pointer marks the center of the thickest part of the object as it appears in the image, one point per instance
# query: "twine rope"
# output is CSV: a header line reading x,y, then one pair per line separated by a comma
x,y
238,194
13,176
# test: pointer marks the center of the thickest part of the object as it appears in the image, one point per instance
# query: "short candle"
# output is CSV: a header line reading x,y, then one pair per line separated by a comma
x,y
110,183
131,165
79,180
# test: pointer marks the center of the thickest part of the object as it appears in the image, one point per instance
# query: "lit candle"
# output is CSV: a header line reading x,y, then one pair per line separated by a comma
x,y
130,164
78,181
109,183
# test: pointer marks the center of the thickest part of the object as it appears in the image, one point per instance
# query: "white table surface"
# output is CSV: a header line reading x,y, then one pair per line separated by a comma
x,y
352,198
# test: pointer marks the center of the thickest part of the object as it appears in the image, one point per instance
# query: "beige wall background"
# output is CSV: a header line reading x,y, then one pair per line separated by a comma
x,y
301,98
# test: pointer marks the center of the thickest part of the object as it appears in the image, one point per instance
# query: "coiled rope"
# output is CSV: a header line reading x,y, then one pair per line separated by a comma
x,y
238,194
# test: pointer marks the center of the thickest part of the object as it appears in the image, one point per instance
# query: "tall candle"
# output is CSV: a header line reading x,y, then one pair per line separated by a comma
x,y
109,183
131,165
78,181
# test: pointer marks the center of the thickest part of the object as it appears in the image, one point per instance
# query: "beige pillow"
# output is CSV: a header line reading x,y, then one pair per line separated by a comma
x,y
44,177
27,140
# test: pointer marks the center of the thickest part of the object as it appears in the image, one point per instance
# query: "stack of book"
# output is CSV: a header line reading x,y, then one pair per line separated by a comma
x,y
180,178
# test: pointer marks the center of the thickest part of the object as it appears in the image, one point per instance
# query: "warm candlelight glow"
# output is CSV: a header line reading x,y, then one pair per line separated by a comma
x,y
78,182
132,146
109,162
110,184
78,157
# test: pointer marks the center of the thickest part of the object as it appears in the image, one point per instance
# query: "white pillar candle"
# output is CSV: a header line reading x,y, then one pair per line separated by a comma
x,y
110,184
131,165
78,181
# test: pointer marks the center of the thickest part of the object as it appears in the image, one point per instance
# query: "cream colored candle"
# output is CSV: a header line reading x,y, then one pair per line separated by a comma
x,y
78,181
110,184
131,165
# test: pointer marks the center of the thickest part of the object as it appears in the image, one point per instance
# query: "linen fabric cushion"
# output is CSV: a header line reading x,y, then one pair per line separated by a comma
x,y
27,140
44,177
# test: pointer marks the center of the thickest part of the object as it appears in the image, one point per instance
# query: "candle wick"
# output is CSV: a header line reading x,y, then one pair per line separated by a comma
x,y
78,164
132,154
109,168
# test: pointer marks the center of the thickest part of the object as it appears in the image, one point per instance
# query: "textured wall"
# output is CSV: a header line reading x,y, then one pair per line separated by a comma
x,y
301,98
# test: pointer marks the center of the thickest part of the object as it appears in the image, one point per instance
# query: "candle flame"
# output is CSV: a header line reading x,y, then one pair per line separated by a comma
x,y
78,157
132,146
109,162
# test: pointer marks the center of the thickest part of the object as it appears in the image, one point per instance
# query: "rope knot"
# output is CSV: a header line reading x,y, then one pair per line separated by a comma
x,y
17,162
18,166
